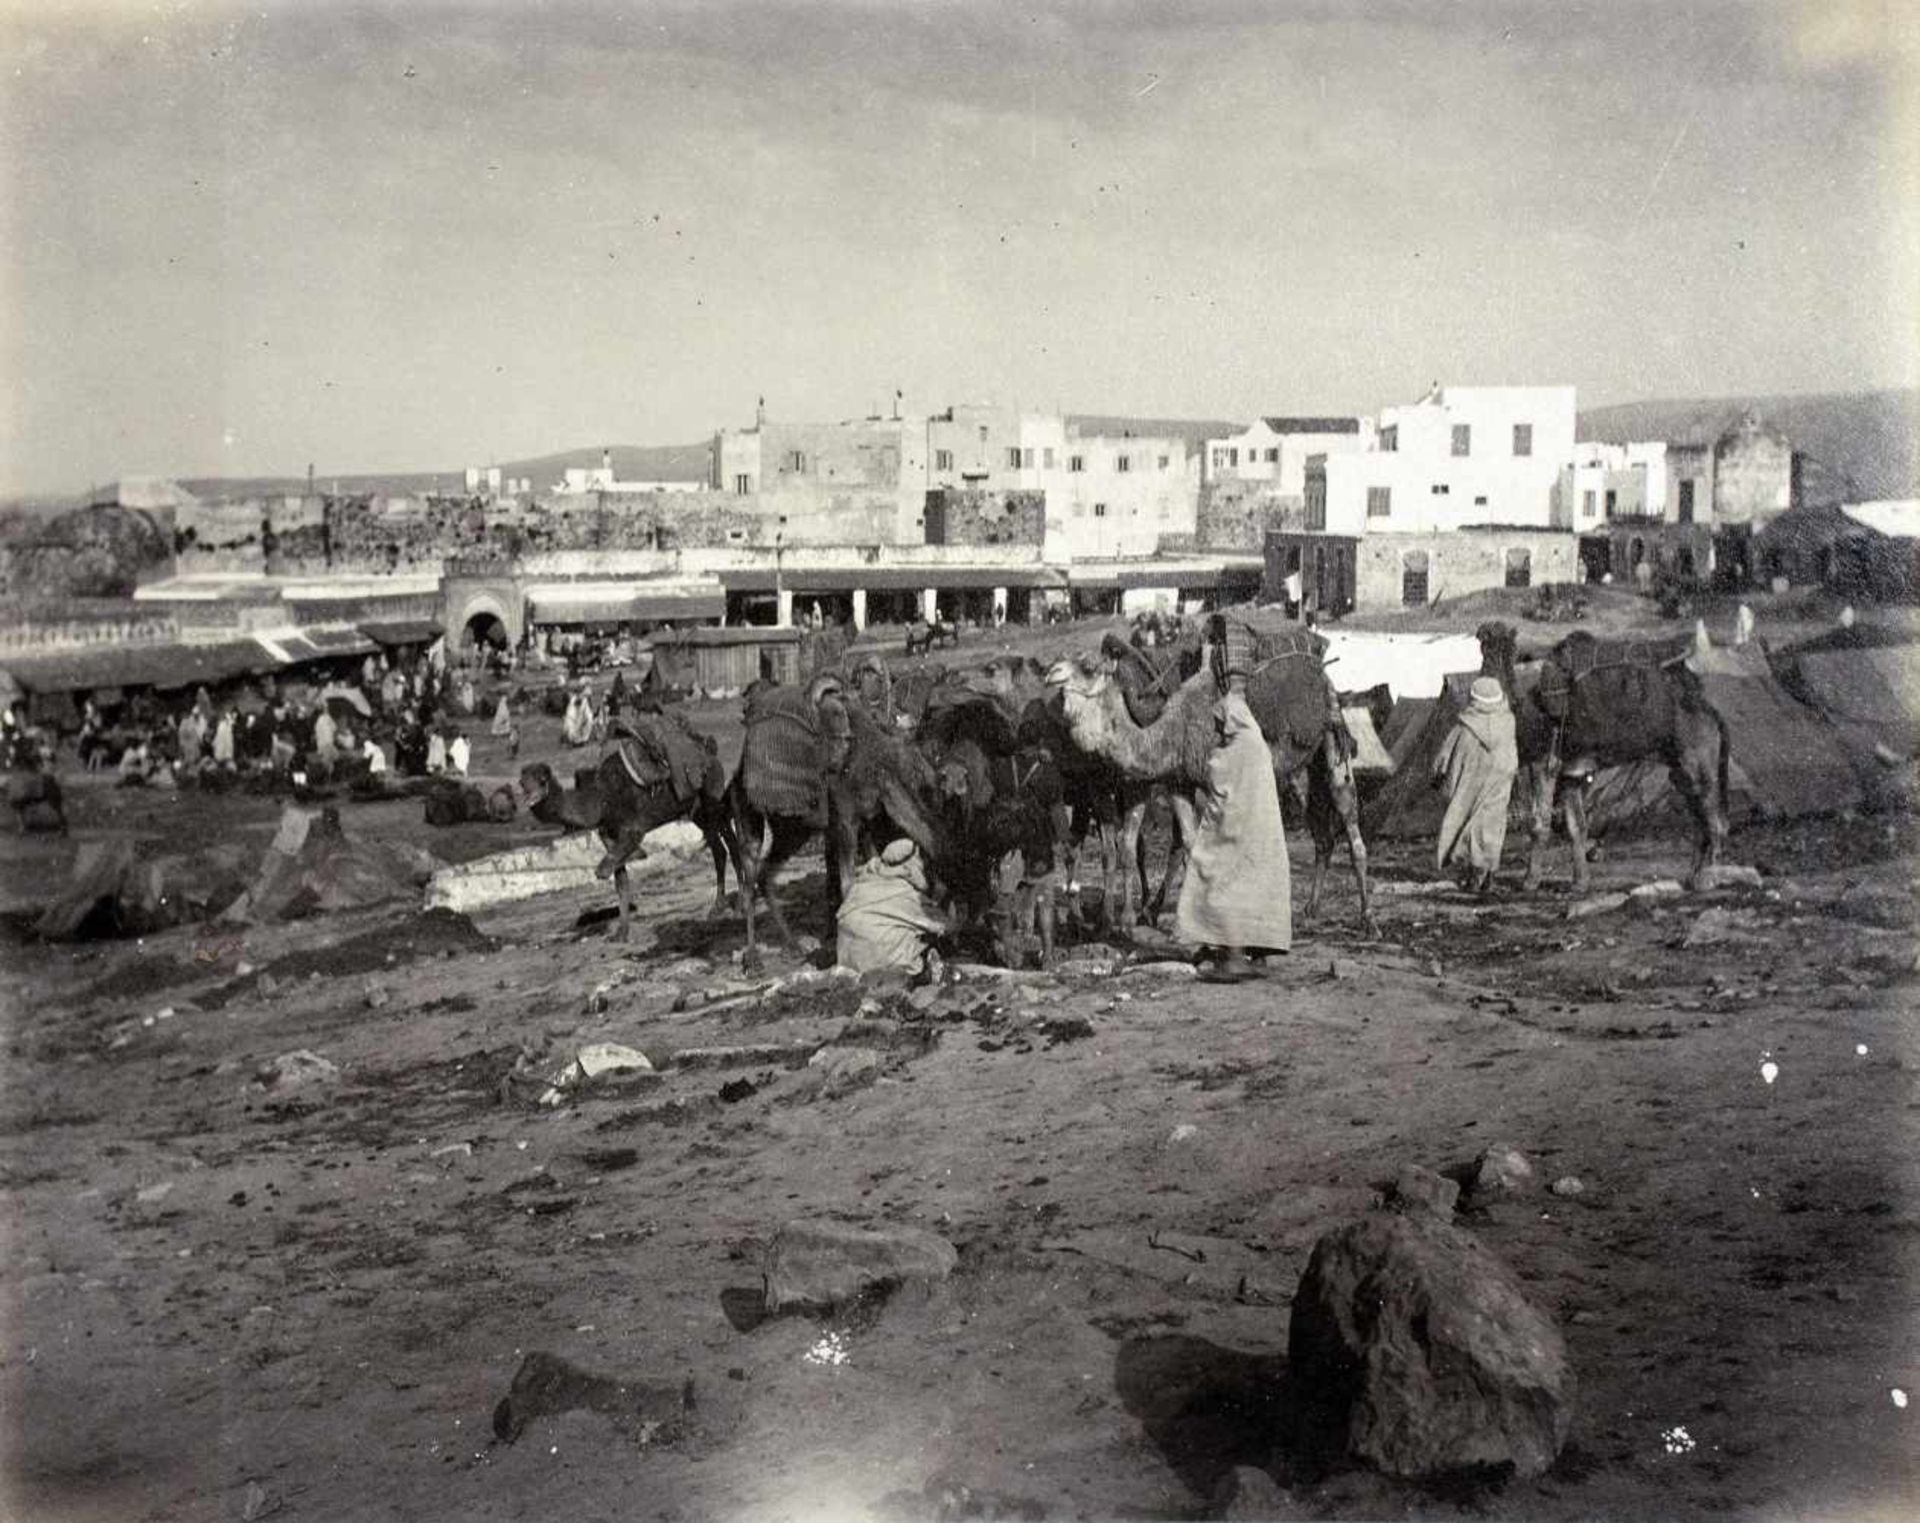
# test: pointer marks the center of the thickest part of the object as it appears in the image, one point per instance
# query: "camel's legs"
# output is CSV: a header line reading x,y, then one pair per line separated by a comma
x,y
1130,897
1538,780
1186,824
625,886
1345,798
788,837
1316,805
1575,791
747,829
1697,779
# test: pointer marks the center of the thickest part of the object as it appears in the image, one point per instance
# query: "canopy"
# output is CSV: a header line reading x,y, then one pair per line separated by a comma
x,y
623,602
808,580
159,666
401,631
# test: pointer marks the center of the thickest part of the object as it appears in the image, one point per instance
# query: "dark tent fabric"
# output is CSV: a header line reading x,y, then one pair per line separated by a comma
x,y
1785,761
115,889
312,865
1871,695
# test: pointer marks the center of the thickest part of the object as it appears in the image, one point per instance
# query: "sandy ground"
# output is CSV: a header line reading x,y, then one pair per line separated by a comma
x,y
224,1300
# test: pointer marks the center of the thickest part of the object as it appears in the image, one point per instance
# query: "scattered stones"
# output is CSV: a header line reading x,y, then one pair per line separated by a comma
x,y
751,1055
835,1071
1420,1353
1727,875
153,1194
1418,1191
1567,1186
1186,1131
1597,904
378,999
1066,1028
686,968
291,1070
1721,926
1501,1169
546,1385
821,1265
1660,888
1247,1495
1344,969
736,1090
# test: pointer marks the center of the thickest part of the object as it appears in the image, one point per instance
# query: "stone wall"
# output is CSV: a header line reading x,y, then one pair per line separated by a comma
x,y
1752,475
1237,515
1458,562
964,516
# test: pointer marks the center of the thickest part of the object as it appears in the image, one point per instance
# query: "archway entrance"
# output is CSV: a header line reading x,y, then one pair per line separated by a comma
x,y
486,630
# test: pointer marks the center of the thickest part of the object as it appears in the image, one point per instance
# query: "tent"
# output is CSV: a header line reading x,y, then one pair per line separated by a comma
x,y
1784,760
313,865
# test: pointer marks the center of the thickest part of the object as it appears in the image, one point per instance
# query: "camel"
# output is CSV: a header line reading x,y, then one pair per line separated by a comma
x,y
611,801
1605,704
814,762
1298,714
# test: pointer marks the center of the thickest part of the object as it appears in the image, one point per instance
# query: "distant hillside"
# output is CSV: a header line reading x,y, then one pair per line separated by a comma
x,y
1871,438
631,462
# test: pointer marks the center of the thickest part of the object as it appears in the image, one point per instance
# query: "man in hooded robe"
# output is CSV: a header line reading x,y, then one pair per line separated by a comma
x,y
1238,893
1476,765
886,919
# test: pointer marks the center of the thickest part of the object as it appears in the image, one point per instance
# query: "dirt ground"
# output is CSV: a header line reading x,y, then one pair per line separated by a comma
x,y
229,1299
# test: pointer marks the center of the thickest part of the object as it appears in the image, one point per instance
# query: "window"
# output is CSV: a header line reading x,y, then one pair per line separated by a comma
x,y
1441,489
1463,438
1273,457
1686,501
1013,458
1519,568
1233,457
1390,439
1219,458
1099,510
943,460
736,536
1123,462
1165,461
1076,462
742,485
1613,502
1589,504
983,433
1379,503
1046,456
1026,459
1413,579
796,460
1480,502
1523,438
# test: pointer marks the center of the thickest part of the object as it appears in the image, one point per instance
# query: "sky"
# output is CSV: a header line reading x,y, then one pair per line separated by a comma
x,y
386,237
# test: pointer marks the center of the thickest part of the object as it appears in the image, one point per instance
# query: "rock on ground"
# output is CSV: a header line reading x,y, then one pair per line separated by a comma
x,y
1501,1169
1419,1191
819,1265
1420,1353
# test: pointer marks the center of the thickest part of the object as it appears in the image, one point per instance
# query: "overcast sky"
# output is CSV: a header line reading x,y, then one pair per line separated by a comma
x,y
386,237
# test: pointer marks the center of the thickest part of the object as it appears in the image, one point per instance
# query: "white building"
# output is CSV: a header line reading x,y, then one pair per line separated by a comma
x,y
1461,456
1276,450
1607,481
1114,496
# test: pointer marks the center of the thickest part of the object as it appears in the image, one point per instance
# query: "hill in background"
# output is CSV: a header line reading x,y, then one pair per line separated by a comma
x,y
1869,438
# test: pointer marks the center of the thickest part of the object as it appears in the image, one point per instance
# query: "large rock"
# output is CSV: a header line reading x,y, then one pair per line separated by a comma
x,y
1417,1351
820,1265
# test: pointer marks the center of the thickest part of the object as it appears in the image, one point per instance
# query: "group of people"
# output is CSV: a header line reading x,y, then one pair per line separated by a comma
x,y
1235,903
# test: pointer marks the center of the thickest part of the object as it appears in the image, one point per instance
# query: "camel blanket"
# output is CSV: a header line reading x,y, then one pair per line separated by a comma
x,y
1238,891
783,761
1476,763
661,748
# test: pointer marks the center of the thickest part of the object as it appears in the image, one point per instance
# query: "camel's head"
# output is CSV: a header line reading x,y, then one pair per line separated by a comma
x,y
1081,682
537,782
1498,641
824,687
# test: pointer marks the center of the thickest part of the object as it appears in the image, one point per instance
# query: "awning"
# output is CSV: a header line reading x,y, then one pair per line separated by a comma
x,y
810,581
156,666
324,644
401,631
623,603
1189,577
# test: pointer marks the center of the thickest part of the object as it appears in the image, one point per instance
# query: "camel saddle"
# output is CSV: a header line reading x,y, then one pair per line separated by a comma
x,y
661,749
1575,659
